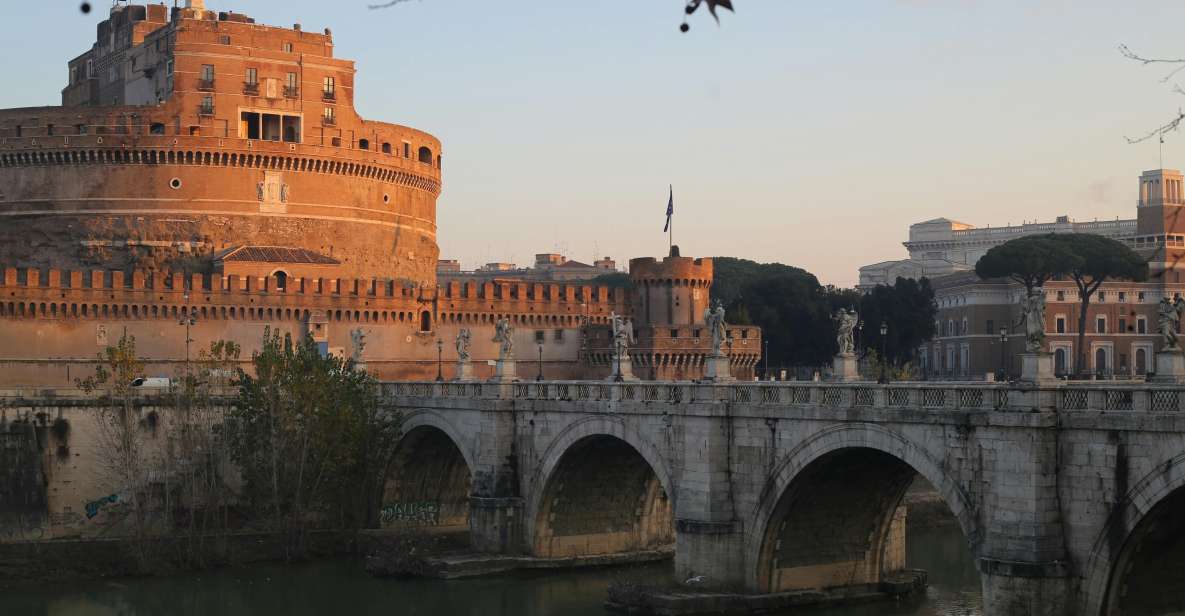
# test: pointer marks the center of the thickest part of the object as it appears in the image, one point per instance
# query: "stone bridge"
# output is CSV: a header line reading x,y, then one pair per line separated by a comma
x,y
1068,495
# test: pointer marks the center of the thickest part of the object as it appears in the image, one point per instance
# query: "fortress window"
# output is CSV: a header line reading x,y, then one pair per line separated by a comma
x,y
363,144
49,130
386,148
425,321
207,72
329,116
291,86
287,47
157,128
539,336
81,128
224,39
252,76
328,88
207,106
281,279
406,150
559,335
425,155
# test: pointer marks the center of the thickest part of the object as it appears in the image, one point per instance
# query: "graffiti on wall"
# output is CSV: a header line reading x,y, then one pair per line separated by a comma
x,y
94,507
423,512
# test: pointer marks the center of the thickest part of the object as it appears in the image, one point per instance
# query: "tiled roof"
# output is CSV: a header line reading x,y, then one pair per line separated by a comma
x,y
277,254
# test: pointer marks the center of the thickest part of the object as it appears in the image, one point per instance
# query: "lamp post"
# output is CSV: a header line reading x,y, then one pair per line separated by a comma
x,y
1003,353
766,354
884,356
540,375
439,360
188,320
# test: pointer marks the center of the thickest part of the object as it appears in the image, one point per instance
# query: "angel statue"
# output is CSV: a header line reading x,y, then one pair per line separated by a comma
x,y
623,334
504,335
714,319
462,342
1033,316
358,343
845,322
1168,321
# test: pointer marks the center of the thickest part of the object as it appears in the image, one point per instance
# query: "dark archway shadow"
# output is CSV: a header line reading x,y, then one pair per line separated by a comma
x,y
427,484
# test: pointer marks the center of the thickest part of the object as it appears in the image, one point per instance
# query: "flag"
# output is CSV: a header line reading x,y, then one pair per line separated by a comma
x,y
670,210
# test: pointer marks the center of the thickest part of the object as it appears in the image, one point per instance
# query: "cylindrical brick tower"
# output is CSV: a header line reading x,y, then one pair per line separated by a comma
x,y
673,291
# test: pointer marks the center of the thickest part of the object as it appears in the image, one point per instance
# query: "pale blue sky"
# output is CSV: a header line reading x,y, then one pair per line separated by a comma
x,y
810,133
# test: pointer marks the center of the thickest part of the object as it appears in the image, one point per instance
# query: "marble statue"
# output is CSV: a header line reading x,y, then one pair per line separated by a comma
x,y
714,320
623,334
845,322
1034,320
504,335
358,343
463,338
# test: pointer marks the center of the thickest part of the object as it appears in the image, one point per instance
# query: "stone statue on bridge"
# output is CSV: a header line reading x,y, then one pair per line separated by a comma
x,y
714,320
463,339
1033,316
357,343
845,322
623,334
504,336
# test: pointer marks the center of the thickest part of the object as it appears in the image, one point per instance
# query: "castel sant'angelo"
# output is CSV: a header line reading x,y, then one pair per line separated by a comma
x,y
208,169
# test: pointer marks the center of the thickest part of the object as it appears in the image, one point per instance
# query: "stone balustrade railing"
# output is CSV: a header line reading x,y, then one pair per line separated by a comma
x,y
949,395
914,395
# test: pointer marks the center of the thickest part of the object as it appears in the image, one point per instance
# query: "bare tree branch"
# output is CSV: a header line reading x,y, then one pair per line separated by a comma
x,y
386,4
1131,55
1171,126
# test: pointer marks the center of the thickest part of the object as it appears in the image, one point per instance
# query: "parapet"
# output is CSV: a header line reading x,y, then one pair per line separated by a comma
x,y
672,270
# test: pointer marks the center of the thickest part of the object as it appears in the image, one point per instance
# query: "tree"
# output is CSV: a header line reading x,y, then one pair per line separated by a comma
x,y
907,309
1175,122
690,8
1096,259
309,438
1030,260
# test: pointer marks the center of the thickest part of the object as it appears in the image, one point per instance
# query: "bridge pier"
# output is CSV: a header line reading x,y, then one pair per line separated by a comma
x,y
496,524
495,504
1023,589
714,550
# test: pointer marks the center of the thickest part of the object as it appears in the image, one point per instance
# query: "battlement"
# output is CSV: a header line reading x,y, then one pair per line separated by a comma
x,y
672,270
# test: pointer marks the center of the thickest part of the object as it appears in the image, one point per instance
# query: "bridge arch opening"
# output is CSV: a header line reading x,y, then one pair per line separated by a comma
x,y
602,498
427,484
843,521
1148,577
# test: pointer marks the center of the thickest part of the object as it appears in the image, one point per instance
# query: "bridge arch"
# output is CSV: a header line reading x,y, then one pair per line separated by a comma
x,y
1142,541
429,476
600,488
802,492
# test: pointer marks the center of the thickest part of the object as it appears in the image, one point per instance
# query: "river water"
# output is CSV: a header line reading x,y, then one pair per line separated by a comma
x,y
342,588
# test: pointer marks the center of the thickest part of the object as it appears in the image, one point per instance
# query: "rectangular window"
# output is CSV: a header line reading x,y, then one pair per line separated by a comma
x,y
207,72
287,47
1141,325
169,67
559,335
1122,296
406,150
1102,296
73,75
991,328
81,129
329,115
1122,326
1100,325
290,81
49,130
674,333
328,86
1061,325
90,69
1061,296
253,76
224,39
539,336
1140,296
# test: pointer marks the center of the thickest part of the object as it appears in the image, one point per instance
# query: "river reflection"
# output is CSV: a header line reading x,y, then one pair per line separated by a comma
x,y
342,588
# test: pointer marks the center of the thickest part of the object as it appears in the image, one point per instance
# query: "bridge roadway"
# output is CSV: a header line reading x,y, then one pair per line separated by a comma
x,y
1069,495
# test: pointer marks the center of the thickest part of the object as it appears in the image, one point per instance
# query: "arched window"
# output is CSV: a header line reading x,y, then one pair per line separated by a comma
x,y
425,321
425,155
1059,361
364,144
1100,361
281,279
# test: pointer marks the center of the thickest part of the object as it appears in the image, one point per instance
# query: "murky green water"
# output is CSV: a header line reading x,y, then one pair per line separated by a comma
x,y
342,588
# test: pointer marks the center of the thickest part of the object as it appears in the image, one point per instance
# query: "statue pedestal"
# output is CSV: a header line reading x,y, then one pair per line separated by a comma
x,y
464,371
718,369
504,371
623,368
1170,367
844,368
1036,367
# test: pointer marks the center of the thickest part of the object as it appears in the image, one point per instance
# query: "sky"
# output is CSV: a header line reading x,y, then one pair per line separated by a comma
x,y
806,133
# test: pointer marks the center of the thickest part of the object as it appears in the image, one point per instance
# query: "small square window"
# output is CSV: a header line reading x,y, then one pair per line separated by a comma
x,y
674,333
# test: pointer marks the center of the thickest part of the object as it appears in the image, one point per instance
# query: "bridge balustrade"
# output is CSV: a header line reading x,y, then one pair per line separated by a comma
x,y
1067,397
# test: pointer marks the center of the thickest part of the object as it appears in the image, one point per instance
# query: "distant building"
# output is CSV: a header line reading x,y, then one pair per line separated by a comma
x,y
549,266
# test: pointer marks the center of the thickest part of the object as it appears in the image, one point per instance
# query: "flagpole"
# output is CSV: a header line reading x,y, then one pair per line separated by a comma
x,y
671,230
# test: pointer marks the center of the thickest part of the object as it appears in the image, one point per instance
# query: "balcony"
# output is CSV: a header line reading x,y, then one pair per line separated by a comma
x,y
251,88
328,95
291,92
328,121
205,110
206,85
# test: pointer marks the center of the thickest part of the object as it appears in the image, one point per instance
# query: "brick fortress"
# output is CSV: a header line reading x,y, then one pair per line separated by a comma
x,y
202,164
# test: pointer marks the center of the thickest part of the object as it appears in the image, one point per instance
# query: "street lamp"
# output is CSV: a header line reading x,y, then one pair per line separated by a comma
x,y
884,356
439,360
188,319
1003,353
540,376
766,353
